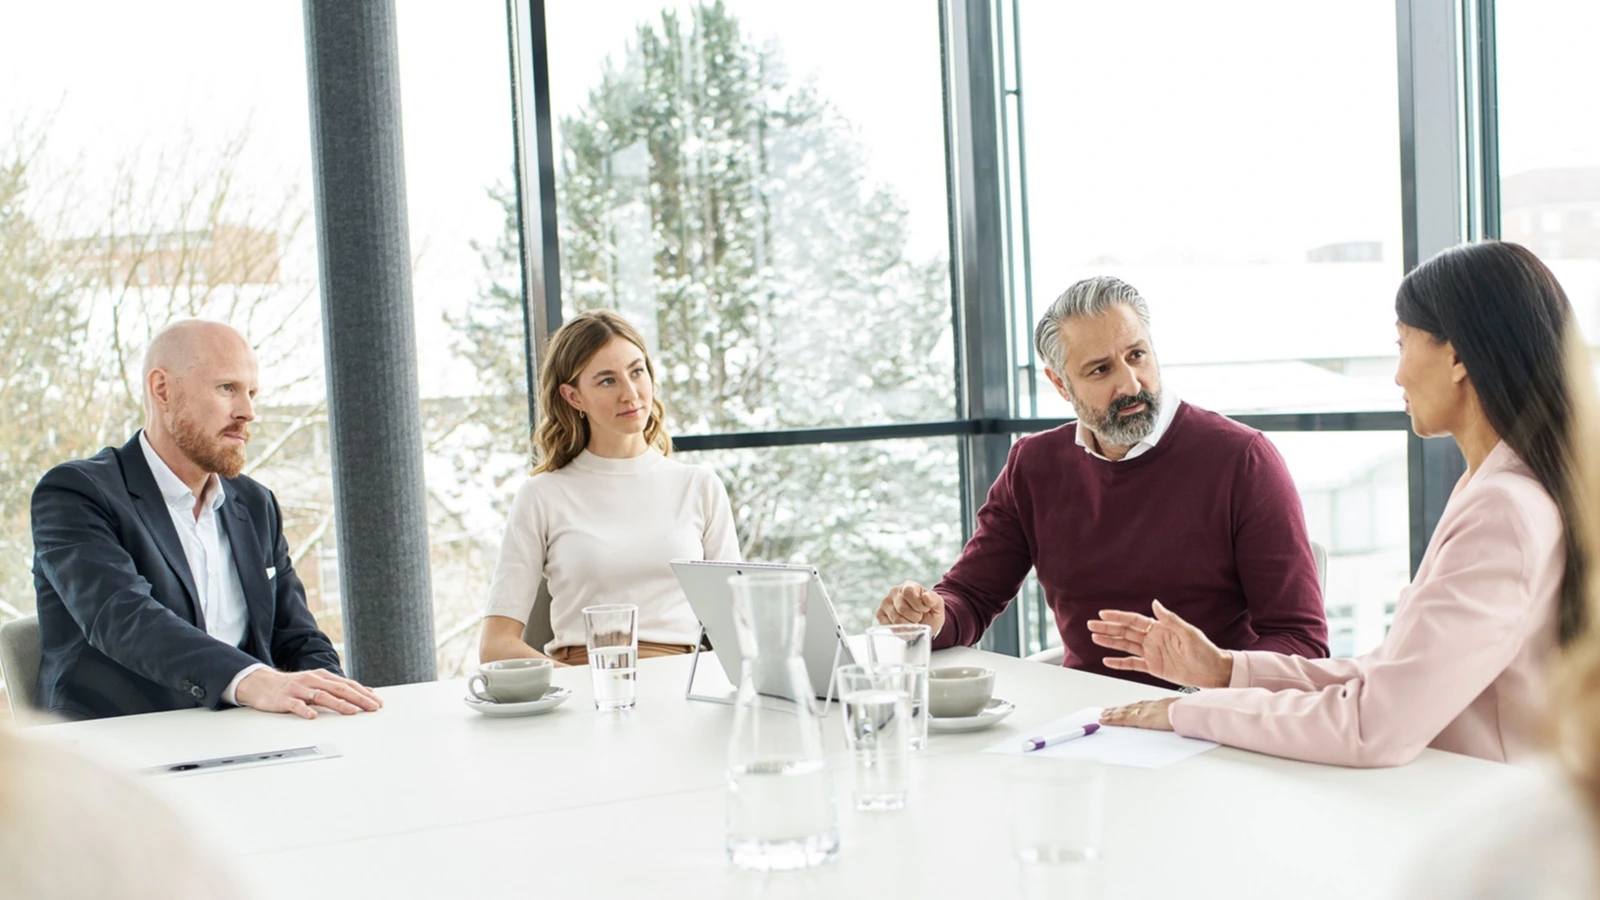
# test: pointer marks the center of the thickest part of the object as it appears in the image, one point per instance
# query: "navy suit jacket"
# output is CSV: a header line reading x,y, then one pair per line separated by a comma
x,y
119,621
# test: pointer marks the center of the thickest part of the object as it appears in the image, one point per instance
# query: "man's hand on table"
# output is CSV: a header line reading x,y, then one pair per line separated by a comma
x,y
912,604
298,692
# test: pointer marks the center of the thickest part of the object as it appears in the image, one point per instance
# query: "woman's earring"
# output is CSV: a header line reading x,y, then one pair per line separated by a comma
x,y
581,414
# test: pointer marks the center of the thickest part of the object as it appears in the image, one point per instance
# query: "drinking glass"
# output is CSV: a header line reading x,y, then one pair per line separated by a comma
x,y
1055,827
906,645
611,632
878,727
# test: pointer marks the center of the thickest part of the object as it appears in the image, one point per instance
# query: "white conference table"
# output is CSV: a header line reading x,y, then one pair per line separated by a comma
x,y
429,799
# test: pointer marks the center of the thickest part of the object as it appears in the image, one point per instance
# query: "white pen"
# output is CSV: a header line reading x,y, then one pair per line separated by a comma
x,y
1032,744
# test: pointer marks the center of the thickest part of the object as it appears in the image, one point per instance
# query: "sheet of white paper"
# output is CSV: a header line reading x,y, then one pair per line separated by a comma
x,y
1115,746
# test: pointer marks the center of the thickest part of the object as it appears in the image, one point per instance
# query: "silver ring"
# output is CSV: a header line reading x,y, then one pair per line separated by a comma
x,y
314,693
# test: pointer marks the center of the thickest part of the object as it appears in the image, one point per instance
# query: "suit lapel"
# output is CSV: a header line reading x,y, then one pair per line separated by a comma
x,y
247,557
152,509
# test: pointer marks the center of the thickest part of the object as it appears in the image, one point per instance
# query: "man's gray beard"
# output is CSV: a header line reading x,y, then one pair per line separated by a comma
x,y
1125,431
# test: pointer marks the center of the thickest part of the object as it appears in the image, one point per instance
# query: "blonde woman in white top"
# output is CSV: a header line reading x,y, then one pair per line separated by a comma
x,y
605,509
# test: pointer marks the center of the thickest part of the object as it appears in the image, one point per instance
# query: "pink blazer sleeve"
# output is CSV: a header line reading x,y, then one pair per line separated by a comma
x,y
1277,672
1463,622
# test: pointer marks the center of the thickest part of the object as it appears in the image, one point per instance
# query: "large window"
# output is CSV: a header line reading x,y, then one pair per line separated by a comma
x,y
152,169
779,233
1549,146
767,196
1246,181
466,287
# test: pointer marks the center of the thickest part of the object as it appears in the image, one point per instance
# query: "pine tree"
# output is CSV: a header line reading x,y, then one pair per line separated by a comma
x,y
725,209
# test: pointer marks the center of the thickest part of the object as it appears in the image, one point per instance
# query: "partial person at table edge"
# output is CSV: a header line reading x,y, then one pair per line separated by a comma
x,y
1483,331
75,828
163,577
606,509
1146,495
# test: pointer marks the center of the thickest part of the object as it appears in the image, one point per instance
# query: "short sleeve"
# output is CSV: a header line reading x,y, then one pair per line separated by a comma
x,y
521,565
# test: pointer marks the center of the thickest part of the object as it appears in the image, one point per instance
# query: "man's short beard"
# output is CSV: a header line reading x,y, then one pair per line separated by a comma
x,y
201,447
1125,431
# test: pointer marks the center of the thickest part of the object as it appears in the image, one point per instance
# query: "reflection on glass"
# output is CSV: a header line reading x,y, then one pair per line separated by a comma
x,y
867,515
767,224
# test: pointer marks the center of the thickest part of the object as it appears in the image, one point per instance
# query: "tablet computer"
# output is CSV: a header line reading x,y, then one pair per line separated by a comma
x,y
705,584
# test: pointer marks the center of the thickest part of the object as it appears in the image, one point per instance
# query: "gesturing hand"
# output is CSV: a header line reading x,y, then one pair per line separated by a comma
x,y
297,692
1165,646
912,604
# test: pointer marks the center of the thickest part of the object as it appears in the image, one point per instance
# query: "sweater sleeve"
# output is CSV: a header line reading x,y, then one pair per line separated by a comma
x,y
1455,634
720,539
1272,554
521,566
991,568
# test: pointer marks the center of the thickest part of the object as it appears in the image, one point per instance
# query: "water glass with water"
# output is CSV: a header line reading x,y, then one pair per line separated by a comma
x,y
1055,827
878,726
906,645
611,632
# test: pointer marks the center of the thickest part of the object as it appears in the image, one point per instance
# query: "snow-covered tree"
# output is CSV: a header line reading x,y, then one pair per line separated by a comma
x,y
725,208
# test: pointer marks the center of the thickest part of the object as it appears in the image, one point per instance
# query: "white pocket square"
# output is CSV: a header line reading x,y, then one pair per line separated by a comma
x,y
272,572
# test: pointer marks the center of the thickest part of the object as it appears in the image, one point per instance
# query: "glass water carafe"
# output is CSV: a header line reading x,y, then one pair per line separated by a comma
x,y
780,796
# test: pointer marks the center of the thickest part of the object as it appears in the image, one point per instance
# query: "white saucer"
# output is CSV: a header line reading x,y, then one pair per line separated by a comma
x,y
996,710
552,699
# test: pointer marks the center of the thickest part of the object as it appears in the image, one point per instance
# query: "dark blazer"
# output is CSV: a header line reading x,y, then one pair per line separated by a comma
x,y
119,620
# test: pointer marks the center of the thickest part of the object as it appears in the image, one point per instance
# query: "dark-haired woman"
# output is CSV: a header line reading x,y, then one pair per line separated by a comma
x,y
1483,329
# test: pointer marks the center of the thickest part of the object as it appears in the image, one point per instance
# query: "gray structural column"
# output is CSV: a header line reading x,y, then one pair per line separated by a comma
x,y
977,224
369,340
1433,208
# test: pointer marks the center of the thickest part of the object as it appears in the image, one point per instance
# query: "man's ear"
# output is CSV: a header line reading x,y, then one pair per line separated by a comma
x,y
1060,385
158,387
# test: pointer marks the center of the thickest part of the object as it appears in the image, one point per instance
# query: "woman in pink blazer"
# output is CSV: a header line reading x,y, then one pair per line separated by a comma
x,y
1483,328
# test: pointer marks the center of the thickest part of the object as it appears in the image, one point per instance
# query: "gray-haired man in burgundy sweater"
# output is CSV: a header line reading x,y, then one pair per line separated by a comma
x,y
1144,498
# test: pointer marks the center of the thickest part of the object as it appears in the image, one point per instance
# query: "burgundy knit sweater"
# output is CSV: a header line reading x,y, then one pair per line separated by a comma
x,y
1207,521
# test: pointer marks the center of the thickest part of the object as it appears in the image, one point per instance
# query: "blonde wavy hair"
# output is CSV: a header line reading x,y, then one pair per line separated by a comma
x,y
1575,691
562,433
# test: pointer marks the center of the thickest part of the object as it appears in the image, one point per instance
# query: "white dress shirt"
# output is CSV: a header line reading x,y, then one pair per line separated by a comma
x,y
1169,408
209,554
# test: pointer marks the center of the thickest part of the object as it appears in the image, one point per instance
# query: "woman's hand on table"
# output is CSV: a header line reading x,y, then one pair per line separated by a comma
x,y
1165,646
1153,714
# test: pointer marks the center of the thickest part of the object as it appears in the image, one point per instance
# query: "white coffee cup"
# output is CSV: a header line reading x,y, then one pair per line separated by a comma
x,y
959,691
511,680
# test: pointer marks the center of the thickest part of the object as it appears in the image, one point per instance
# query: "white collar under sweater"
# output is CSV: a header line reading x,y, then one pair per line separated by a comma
x,y
1169,409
